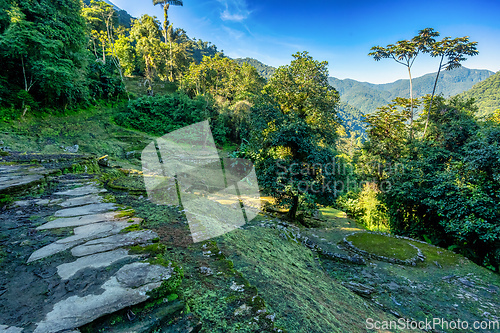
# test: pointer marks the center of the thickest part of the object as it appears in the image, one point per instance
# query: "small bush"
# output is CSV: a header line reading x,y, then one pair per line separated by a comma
x,y
365,207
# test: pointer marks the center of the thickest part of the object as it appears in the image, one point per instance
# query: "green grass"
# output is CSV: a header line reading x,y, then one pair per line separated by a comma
x,y
294,286
130,183
152,249
92,129
135,86
382,245
329,213
133,227
435,254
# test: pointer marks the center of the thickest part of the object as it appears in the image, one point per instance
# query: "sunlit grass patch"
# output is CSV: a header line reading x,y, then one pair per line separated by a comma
x,y
382,245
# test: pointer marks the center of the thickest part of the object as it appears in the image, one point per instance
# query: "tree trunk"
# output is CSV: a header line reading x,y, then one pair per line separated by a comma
x,y
165,24
432,96
171,61
292,213
104,53
411,104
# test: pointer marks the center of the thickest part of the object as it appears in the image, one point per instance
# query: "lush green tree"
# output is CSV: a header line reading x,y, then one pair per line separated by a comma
x,y
388,130
294,133
168,32
179,46
126,54
165,4
405,52
454,51
153,53
43,56
448,191
102,22
223,78
264,70
200,49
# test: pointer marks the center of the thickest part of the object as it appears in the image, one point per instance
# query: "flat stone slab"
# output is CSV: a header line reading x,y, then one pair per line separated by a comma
x,y
78,181
21,169
10,329
21,181
83,190
82,235
80,201
126,288
113,242
104,259
39,202
77,221
86,210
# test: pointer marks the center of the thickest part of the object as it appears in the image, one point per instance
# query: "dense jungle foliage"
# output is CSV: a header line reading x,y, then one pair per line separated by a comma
x,y
428,167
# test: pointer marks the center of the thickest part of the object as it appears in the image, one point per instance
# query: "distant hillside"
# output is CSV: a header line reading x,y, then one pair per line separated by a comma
x,y
124,18
264,70
352,118
486,94
201,49
368,96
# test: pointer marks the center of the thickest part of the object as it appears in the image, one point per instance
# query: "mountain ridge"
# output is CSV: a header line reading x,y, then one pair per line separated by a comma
x,y
367,97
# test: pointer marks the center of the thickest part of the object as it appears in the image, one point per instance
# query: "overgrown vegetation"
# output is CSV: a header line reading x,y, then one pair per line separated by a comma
x,y
486,94
433,176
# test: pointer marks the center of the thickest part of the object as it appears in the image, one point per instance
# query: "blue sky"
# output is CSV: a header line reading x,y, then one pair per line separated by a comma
x,y
341,32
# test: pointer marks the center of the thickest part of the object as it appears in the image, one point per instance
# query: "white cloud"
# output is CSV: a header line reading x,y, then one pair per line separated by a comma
x,y
234,10
236,34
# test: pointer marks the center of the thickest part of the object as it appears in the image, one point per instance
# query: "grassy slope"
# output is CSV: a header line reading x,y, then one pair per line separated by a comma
x,y
303,297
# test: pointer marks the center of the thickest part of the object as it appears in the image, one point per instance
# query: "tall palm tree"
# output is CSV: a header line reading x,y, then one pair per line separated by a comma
x,y
166,5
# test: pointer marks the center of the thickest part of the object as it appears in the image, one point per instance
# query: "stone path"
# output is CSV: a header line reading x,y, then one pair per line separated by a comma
x,y
14,177
99,239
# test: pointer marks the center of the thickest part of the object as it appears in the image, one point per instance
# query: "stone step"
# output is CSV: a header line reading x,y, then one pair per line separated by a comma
x,y
126,288
76,221
39,202
14,184
104,259
113,242
80,191
90,209
82,234
10,329
80,201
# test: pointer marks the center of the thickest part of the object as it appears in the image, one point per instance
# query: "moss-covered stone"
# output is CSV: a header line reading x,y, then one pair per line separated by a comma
x,y
169,286
133,183
89,166
133,227
125,213
151,249
294,286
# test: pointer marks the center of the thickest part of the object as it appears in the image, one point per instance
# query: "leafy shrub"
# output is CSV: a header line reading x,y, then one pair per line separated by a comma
x,y
448,192
365,207
104,82
160,115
